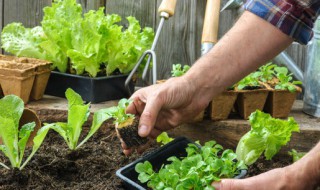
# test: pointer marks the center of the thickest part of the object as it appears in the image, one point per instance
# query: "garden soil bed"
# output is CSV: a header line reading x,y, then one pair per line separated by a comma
x,y
93,166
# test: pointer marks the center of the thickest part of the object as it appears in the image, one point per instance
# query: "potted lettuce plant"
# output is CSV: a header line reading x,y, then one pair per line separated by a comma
x,y
252,95
283,92
88,49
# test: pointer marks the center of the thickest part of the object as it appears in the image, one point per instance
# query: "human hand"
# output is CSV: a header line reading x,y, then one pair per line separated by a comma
x,y
164,106
281,178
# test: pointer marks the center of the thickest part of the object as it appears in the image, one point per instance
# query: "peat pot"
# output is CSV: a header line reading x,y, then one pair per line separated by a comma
x,y
221,106
249,101
17,79
92,90
280,102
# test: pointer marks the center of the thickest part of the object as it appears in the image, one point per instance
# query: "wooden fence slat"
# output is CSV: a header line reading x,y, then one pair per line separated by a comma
x,y
28,12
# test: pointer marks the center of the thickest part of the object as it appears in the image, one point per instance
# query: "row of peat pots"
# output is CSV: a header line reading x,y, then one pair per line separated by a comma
x,y
277,103
24,77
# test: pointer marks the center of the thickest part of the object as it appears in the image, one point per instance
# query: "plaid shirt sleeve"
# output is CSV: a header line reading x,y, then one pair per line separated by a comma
x,y
293,17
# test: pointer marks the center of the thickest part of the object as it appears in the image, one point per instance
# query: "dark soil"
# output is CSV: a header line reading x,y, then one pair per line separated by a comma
x,y
54,166
93,166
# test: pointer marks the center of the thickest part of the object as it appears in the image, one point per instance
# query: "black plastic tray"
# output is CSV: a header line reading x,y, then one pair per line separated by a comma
x,y
94,90
157,159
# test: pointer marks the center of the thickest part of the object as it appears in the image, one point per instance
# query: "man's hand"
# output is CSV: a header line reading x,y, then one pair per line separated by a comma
x,y
164,106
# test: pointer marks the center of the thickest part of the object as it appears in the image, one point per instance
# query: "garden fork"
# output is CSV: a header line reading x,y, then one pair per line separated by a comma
x,y
166,10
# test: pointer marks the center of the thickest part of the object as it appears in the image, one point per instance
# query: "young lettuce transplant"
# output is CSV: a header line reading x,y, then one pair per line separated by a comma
x,y
126,124
197,170
88,40
179,70
267,135
14,139
78,113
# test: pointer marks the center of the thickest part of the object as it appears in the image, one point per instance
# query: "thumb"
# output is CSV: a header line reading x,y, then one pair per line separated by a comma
x,y
228,184
149,116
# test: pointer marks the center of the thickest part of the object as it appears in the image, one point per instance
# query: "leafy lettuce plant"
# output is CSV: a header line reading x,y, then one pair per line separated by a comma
x,y
78,113
267,135
179,70
91,42
197,170
14,139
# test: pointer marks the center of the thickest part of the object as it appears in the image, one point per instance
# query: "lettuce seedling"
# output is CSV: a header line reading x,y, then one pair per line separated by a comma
x,y
178,70
126,124
164,138
266,72
197,170
296,155
285,80
267,135
249,82
14,139
78,113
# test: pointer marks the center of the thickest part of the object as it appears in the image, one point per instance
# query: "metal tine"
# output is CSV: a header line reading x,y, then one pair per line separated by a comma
x,y
153,57
129,78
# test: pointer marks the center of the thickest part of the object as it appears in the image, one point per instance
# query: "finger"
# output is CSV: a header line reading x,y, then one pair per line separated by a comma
x,y
149,115
136,107
228,184
155,133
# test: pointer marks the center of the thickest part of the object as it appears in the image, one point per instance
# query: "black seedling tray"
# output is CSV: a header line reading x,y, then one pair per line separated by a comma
x,y
157,158
94,90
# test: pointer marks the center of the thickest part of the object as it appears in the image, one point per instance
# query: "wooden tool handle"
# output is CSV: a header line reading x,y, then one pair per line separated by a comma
x,y
168,6
211,22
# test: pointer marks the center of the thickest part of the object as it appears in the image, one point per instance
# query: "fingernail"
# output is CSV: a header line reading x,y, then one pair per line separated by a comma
x,y
143,130
216,185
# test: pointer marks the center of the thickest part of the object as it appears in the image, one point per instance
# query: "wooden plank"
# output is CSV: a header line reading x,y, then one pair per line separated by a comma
x,y
28,12
91,4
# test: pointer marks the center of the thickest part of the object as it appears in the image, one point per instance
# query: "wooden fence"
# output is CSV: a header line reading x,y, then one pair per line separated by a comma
x,y
179,42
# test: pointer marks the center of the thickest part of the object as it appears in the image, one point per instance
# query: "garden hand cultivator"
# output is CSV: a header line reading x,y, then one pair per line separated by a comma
x,y
166,10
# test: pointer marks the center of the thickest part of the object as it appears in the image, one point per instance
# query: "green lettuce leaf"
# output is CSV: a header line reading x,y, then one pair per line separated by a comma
x,y
129,46
22,41
267,135
78,114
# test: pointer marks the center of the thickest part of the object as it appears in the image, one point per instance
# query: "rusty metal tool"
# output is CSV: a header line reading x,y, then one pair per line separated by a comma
x,y
210,26
166,10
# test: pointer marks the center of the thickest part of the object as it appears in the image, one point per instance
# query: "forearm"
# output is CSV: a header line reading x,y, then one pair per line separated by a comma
x,y
307,169
250,43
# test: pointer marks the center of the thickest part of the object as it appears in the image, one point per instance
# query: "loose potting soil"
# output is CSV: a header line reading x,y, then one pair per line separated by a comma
x,y
92,166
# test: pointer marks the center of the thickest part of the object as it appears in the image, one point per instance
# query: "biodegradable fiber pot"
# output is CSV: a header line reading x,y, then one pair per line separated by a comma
x,y
280,102
249,101
157,158
92,90
42,74
221,106
17,79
